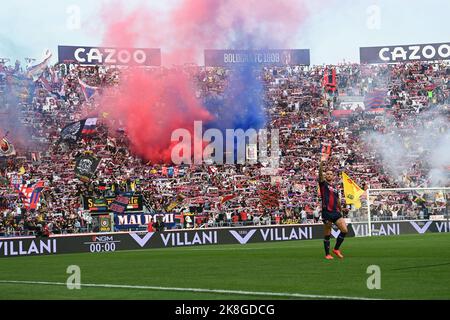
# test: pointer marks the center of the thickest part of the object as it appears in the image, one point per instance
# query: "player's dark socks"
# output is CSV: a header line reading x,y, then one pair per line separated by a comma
x,y
326,244
339,240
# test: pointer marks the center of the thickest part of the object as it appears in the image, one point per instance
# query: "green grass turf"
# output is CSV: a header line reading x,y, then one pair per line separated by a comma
x,y
412,267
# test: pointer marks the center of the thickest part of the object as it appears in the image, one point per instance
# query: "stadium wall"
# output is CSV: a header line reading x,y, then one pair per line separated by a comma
x,y
110,242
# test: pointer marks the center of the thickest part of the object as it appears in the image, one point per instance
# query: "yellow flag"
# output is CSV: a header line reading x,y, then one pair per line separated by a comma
x,y
171,206
352,191
21,170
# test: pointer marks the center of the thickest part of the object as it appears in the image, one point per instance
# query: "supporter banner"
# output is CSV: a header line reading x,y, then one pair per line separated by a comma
x,y
107,55
351,103
268,199
102,204
85,167
108,242
325,150
6,148
30,194
105,223
270,57
127,221
405,53
36,71
377,111
251,152
341,113
174,203
186,220
376,99
345,98
72,131
120,203
352,106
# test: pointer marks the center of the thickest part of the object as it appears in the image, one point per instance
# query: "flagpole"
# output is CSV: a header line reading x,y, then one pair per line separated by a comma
x,y
107,134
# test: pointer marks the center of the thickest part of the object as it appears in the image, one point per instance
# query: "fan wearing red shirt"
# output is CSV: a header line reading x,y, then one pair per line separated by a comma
x,y
243,216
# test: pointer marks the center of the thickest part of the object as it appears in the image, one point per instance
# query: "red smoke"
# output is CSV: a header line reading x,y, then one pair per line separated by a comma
x,y
151,106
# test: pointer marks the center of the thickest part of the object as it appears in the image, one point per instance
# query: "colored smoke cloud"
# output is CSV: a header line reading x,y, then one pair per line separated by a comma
x,y
231,24
397,148
242,104
151,106
17,90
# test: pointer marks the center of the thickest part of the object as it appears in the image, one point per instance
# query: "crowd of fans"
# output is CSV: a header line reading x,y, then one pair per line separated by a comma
x,y
296,102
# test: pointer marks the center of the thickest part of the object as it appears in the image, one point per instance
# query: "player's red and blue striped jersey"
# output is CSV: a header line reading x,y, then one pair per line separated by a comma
x,y
330,197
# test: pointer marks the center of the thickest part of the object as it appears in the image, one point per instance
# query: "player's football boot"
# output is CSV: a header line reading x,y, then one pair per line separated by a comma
x,y
338,253
329,257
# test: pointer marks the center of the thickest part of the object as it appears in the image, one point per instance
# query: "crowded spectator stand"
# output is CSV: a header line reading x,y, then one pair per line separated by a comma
x,y
304,103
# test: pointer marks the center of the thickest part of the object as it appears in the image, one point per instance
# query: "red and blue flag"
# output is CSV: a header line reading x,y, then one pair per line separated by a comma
x,y
88,91
375,99
89,126
30,194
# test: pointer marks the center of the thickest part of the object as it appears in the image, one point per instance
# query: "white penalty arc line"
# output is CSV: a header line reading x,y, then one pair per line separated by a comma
x,y
197,290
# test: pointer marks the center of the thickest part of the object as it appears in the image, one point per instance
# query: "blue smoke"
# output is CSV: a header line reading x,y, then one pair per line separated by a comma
x,y
241,106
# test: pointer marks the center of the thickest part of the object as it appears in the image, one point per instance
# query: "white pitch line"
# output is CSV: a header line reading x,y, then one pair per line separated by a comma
x,y
198,290
234,249
242,247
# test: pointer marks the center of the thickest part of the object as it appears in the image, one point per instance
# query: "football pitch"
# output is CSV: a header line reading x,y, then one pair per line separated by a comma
x,y
411,267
